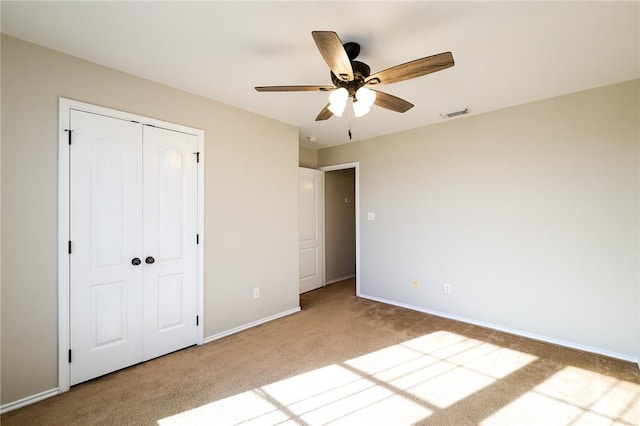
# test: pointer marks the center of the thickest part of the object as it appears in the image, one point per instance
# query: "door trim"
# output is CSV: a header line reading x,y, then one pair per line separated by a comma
x,y
356,166
64,108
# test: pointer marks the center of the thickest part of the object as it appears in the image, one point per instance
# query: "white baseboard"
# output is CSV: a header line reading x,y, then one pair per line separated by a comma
x,y
348,277
47,394
28,400
250,325
508,330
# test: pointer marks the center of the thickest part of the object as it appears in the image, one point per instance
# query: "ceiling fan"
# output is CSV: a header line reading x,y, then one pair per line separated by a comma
x,y
352,79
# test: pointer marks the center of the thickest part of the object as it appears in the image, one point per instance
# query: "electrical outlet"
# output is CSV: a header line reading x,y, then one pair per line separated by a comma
x,y
256,293
415,283
447,288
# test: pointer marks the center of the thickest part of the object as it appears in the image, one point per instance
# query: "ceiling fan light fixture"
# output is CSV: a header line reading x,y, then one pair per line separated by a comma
x,y
337,110
338,101
366,96
360,108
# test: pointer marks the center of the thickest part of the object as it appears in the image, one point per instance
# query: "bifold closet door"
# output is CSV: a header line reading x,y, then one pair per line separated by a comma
x,y
133,263
106,317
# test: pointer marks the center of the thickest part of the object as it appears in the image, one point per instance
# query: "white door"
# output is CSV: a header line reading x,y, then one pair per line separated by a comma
x,y
311,229
133,233
106,328
170,229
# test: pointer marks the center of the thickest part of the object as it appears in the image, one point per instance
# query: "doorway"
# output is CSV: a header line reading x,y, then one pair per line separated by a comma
x,y
342,223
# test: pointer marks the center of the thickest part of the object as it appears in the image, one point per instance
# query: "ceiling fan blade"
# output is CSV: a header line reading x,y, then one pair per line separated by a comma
x,y
333,52
294,88
325,114
412,69
391,102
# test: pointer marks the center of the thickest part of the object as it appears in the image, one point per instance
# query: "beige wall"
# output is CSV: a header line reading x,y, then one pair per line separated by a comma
x,y
308,157
340,224
530,212
250,203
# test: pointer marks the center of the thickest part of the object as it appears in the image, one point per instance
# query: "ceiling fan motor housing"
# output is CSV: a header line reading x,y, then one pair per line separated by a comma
x,y
352,49
360,72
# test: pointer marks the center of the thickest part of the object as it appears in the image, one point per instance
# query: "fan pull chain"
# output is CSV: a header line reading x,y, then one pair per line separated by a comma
x,y
350,121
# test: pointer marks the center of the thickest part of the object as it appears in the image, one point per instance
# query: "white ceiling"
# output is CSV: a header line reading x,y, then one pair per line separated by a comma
x,y
506,53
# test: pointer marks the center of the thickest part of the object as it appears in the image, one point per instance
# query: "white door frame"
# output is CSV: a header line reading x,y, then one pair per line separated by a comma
x,y
356,166
64,108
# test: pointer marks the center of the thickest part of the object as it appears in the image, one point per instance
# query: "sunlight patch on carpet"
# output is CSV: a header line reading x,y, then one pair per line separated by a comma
x,y
441,368
574,396
338,396
245,408
407,383
331,394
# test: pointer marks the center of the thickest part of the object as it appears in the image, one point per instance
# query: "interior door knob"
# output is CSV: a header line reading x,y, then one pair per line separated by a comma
x,y
149,260
135,261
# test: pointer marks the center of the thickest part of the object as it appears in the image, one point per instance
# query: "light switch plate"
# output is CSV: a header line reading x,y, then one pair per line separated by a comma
x,y
371,215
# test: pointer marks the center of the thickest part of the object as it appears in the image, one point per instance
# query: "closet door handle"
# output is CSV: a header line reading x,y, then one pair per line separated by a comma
x,y
149,260
135,261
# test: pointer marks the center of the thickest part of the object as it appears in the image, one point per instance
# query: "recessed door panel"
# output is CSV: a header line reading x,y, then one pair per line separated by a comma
x,y
170,302
308,262
171,197
109,314
108,200
308,205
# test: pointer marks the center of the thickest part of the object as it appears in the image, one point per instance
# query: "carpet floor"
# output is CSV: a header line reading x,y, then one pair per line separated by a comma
x,y
351,361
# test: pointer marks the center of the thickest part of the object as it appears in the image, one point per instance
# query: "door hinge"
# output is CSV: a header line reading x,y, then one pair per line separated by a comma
x,y
197,238
197,320
69,134
69,246
197,156
69,356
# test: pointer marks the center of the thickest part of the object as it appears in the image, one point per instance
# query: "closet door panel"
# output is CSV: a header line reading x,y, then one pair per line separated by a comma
x,y
170,228
105,233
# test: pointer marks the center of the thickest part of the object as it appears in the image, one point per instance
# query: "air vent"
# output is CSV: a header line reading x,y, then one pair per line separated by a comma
x,y
455,113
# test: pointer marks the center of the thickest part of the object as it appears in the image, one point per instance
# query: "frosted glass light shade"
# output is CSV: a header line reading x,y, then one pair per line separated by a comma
x,y
337,109
366,96
338,101
360,108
